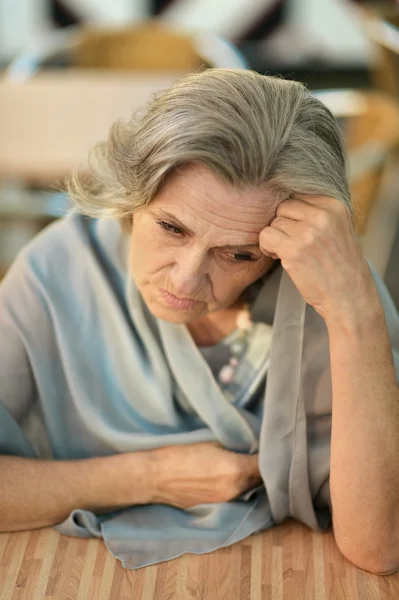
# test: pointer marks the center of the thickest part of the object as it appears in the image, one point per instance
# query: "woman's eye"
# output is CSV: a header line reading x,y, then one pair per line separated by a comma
x,y
244,257
237,257
169,227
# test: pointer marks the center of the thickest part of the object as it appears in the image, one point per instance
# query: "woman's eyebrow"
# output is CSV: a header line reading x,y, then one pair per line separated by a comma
x,y
182,226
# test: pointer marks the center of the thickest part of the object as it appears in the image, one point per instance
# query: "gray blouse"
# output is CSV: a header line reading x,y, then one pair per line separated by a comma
x,y
251,371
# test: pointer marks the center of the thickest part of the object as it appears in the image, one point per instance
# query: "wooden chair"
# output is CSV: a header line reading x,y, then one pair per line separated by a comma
x,y
381,25
370,122
149,46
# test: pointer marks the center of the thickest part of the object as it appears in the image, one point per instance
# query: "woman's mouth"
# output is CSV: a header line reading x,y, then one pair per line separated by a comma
x,y
180,303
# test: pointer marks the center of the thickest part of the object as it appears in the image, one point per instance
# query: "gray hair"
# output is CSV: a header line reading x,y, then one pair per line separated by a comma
x,y
250,129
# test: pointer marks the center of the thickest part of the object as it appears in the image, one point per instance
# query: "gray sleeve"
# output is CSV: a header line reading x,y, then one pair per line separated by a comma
x,y
17,386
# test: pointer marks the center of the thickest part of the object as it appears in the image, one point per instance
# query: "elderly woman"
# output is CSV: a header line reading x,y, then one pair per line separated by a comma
x,y
200,349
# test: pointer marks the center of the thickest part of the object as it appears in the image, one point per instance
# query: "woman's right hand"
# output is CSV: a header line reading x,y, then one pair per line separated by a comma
x,y
192,474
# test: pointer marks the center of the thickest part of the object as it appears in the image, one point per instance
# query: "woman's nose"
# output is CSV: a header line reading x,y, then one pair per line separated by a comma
x,y
189,275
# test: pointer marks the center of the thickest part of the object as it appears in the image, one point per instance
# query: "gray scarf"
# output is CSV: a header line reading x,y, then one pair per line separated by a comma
x,y
114,390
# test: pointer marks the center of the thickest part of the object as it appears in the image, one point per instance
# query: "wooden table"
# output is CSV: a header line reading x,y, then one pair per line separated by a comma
x,y
287,562
48,123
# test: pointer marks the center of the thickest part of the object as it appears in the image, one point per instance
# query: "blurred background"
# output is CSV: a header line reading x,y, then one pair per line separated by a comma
x,y
69,68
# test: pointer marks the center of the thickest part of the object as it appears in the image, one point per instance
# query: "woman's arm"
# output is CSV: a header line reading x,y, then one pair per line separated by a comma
x,y
364,464
40,493
315,238
37,493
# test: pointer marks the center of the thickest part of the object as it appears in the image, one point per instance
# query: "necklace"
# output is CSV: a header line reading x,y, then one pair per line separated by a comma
x,y
227,372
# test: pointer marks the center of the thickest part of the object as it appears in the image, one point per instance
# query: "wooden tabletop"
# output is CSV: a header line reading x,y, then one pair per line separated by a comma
x,y
48,123
287,562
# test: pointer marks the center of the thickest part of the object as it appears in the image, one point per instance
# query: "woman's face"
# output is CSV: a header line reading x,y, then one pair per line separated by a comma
x,y
197,240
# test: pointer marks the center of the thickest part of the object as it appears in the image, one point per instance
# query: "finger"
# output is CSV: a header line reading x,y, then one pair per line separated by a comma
x,y
271,241
299,210
288,226
328,203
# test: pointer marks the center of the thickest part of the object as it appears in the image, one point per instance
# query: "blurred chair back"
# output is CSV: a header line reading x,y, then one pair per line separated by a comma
x,y
370,123
147,46
382,28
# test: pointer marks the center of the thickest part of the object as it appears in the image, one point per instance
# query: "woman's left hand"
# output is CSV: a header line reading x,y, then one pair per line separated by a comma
x,y
315,239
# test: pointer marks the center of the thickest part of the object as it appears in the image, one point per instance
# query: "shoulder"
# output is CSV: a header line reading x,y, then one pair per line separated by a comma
x,y
73,244
69,260
58,240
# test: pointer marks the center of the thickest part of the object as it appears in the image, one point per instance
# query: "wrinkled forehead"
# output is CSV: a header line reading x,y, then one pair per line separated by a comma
x,y
199,195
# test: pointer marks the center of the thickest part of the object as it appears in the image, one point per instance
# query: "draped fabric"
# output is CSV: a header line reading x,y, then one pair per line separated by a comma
x,y
86,370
